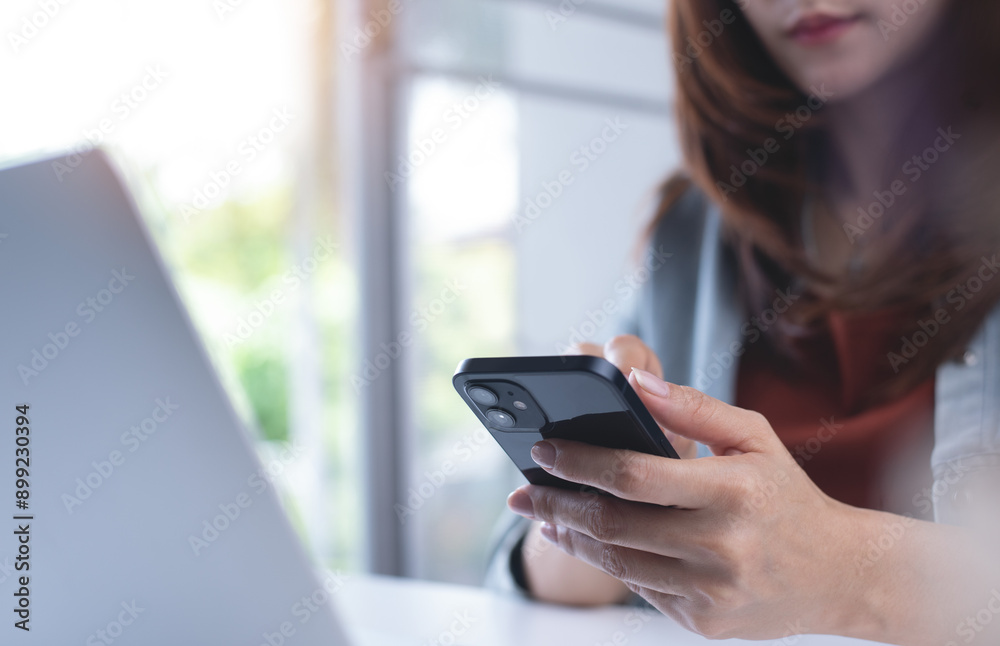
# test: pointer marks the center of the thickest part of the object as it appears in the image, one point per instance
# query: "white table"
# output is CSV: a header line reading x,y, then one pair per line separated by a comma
x,y
379,611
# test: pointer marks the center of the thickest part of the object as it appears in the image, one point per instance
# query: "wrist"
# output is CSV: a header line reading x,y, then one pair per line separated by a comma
x,y
859,599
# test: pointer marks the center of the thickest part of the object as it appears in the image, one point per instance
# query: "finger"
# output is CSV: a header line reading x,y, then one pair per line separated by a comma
x,y
592,349
649,528
631,475
693,414
628,351
634,567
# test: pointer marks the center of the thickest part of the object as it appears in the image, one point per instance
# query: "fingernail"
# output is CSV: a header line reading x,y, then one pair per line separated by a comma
x,y
548,532
520,503
651,383
544,454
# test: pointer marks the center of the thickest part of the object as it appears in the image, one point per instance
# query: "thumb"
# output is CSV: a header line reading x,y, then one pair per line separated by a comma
x,y
692,414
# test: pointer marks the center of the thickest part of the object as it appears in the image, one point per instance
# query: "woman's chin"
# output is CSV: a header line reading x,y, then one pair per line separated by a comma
x,y
842,81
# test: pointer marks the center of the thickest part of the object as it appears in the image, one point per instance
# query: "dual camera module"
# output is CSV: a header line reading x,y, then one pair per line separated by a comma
x,y
504,405
497,417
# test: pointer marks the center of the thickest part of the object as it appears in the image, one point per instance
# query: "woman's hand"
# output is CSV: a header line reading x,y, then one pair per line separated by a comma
x,y
753,548
626,352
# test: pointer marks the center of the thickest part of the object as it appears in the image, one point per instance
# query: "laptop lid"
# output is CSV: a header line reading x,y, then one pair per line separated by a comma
x,y
141,514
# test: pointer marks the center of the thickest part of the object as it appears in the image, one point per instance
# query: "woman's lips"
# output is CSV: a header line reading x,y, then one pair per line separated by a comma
x,y
820,29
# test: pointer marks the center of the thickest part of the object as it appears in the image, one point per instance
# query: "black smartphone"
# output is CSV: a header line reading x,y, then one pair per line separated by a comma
x,y
522,400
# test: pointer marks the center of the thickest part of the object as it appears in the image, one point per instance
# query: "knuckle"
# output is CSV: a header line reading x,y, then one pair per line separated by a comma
x,y
741,578
727,601
742,486
569,465
632,474
756,420
543,505
613,562
733,544
733,554
714,543
698,406
756,429
725,597
602,521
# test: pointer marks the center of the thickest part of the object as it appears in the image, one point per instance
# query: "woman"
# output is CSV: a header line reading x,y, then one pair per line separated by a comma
x,y
831,309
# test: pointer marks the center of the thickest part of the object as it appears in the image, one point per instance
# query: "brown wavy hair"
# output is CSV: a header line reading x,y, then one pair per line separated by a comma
x,y
730,96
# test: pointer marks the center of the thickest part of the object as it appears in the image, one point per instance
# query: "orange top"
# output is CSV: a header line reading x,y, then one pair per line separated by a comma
x,y
875,457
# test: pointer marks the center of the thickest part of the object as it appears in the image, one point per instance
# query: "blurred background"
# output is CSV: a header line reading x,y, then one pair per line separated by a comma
x,y
352,197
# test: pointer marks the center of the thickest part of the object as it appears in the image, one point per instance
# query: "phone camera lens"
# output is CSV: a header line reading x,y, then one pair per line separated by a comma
x,y
500,418
482,395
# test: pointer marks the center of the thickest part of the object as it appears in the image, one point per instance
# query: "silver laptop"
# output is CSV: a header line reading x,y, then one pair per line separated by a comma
x,y
133,508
